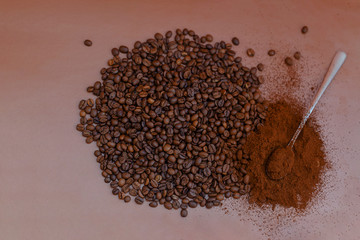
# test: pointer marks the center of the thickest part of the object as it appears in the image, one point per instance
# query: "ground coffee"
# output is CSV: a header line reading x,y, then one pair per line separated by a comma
x,y
297,188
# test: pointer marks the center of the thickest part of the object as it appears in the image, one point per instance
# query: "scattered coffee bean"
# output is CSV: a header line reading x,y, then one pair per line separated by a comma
x,y
183,212
297,55
88,42
304,29
250,52
170,118
271,52
139,200
153,204
289,61
168,205
260,67
115,51
123,49
235,41
209,38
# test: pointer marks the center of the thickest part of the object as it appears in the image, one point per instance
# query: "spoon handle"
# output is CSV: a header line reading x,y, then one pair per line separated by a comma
x,y
334,67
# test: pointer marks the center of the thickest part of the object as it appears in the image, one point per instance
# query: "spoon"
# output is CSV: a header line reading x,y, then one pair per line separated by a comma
x,y
281,160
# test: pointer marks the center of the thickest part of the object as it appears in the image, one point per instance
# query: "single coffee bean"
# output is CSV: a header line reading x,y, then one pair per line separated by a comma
x,y
250,52
127,199
183,206
115,51
88,42
158,36
193,204
123,49
235,41
209,38
168,34
288,61
236,195
260,67
82,105
153,204
139,200
271,52
168,205
304,29
183,212
246,179
297,55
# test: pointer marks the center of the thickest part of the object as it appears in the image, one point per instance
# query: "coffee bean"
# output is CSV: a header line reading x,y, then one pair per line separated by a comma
x,y
139,200
158,36
209,38
127,199
235,41
246,179
260,66
123,49
82,105
193,204
115,51
297,55
168,34
288,61
153,204
167,147
209,205
271,52
168,205
250,52
170,117
304,29
88,42
183,212
236,195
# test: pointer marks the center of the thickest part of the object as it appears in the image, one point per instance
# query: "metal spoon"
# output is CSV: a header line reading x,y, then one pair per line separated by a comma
x,y
334,67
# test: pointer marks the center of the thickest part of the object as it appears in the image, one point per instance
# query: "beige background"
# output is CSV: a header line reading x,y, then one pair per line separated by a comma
x,y
50,183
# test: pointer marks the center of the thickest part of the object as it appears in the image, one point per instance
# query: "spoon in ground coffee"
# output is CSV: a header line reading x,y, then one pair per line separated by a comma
x,y
281,160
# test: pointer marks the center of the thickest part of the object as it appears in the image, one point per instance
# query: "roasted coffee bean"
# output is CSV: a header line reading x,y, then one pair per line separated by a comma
x,y
209,38
193,204
168,205
304,29
271,52
297,55
139,200
183,212
88,42
123,49
235,41
168,34
153,204
250,52
260,66
289,61
115,51
246,179
170,117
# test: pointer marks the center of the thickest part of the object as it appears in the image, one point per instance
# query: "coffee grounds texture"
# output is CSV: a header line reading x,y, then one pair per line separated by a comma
x,y
299,186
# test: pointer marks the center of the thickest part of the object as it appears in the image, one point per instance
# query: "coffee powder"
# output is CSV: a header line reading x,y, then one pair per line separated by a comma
x,y
300,185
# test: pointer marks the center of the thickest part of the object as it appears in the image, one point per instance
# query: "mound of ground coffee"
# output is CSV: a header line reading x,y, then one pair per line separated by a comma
x,y
297,188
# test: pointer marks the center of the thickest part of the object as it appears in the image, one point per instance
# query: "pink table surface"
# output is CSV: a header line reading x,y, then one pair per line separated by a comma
x,y
50,183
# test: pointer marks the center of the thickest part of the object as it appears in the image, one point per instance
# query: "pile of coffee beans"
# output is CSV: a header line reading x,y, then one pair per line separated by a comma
x,y
170,118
